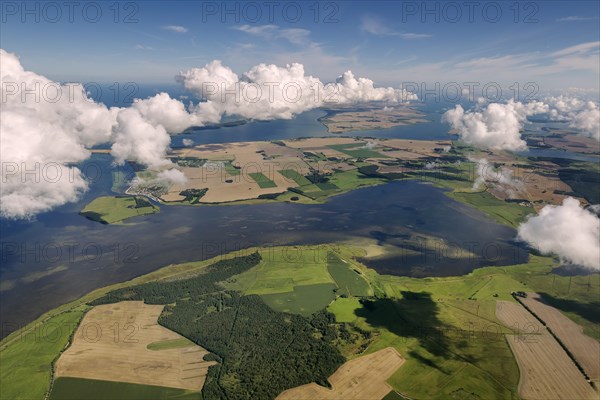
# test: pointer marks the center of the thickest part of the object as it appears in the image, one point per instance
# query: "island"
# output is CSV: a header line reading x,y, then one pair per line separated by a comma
x,y
346,119
116,209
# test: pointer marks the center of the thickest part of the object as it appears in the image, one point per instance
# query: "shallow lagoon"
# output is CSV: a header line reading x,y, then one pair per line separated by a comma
x,y
96,255
61,255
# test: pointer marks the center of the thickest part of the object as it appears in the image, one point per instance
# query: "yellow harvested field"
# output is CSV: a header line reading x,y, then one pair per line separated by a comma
x,y
539,184
249,157
110,345
423,147
317,142
585,349
225,172
547,372
363,378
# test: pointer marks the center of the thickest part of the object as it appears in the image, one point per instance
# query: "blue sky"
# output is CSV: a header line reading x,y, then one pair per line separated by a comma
x,y
552,43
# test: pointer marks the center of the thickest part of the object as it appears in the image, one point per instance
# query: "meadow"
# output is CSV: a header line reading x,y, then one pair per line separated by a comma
x,y
116,209
505,213
445,328
357,150
26,363
300,280
262,180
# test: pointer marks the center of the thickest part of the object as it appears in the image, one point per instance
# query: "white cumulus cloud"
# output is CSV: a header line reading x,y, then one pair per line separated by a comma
x,y
495,127
568,230
172,176
500,178
47,132
57,130
267,91
584,116
43,134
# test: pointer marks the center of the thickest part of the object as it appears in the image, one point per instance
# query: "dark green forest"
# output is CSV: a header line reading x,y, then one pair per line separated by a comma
x,y
261,352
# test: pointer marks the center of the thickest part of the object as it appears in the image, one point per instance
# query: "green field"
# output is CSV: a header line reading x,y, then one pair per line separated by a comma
x,y
500,211
260,351
170,344
116,209
78,389
338,182
349,281
344,309
303,300
446,175
282,269
442,330
231,170
349,180
262,180
295,176
357,150
25,364
446,328
300,280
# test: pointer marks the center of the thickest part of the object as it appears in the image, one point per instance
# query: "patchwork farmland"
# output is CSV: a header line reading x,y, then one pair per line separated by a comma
x,y
114,341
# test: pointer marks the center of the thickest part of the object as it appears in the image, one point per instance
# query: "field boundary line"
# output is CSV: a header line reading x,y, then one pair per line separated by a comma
x,y
564,347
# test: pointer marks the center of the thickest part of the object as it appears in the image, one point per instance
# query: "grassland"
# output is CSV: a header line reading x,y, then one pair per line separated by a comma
x,y
169,344
25,365
77,389
27,354
445,328
295,176
345,309
281,271
510,214
301,280
357,150
350,281
262,180
231,170
303,300
116,209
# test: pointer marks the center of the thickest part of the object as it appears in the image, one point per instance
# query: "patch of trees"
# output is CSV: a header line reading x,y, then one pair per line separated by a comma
x,y
371,171
317,176
193,195
261,352
166,292
141,202
191,162
268,196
